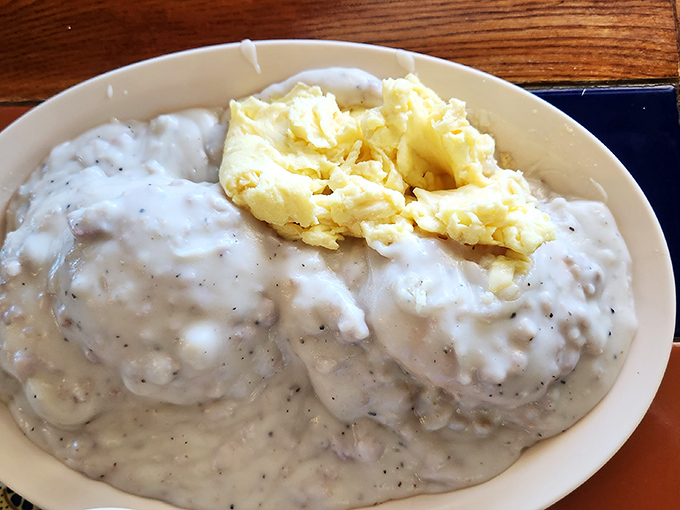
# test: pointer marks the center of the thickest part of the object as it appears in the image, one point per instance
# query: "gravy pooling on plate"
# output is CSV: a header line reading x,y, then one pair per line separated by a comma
x,y
163,341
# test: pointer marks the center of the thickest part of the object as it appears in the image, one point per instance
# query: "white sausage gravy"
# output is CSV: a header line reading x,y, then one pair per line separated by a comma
x,y
165,342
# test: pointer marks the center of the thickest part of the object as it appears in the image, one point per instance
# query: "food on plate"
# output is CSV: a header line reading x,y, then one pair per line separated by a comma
x,y
160,338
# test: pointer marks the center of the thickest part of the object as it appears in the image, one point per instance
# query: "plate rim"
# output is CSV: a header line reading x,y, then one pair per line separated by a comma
x,y
662,258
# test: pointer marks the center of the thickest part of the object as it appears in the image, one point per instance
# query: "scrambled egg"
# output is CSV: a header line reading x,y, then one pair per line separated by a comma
x,y
318,173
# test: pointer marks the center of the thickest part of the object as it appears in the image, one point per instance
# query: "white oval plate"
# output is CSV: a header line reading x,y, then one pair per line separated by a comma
x,y
537,135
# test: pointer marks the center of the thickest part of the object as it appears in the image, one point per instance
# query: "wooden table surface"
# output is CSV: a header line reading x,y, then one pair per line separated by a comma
x,y
49,45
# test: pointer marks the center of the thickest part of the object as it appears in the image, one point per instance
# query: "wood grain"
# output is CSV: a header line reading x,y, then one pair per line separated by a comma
x,y
49,45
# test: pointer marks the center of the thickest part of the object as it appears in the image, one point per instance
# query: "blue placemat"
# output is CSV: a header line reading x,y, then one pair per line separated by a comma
x,y
640,125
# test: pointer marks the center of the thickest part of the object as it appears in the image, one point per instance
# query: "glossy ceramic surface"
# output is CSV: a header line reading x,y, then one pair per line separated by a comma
x,y
538,136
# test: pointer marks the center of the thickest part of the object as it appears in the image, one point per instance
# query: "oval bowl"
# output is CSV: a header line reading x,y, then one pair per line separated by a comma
x,y
538,136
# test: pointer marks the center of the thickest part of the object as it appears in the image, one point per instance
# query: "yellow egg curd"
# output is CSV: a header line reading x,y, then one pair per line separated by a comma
x,y
318,172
